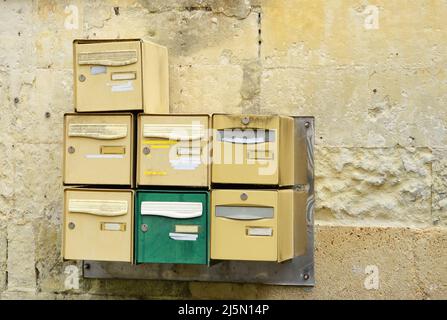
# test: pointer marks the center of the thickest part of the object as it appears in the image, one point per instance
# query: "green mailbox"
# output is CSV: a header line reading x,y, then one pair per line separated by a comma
x,y
172,227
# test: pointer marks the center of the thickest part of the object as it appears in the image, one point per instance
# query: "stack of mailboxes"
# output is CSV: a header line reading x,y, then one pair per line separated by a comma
x,y
256,211
138,184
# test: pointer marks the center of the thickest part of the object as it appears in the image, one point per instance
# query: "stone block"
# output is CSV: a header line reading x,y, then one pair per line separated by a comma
x,y
373,187
362,107
346,261
206,89
38,181
21,260
404,33
431,265
50,95
17,33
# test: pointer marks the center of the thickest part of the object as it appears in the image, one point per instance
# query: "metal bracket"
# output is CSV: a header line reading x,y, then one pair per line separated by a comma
x,y
296,272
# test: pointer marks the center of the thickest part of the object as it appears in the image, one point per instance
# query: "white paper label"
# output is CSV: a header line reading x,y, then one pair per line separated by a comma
x,y
185,163
104,156
122,87
183,236
94,70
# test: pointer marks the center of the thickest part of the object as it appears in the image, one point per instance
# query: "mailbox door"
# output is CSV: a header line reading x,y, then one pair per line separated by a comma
x,y
108,76
173,151
98,149
245,149
172,227
98,225
244,225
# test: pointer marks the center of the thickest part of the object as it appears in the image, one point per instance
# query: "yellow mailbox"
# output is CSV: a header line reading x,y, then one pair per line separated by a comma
x,y
120,75
258,225
98,225
98,149
173,150
257,149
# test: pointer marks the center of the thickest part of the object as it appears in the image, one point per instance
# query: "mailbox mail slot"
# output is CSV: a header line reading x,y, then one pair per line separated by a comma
x,y
114,75
98,225
255,149
98,149
173,150
172,227
258,225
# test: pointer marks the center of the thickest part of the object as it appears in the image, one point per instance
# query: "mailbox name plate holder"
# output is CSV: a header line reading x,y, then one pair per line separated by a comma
x,y
296,272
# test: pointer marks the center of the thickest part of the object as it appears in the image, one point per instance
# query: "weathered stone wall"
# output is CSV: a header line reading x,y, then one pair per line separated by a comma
x,y
373,73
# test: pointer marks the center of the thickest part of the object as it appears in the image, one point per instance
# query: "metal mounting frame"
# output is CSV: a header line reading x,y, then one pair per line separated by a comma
x,y
296,272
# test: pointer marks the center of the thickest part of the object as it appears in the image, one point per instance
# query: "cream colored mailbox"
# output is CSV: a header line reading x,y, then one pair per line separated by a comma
x,y
120,75
258,225
98,149
98,225
257,149
173,150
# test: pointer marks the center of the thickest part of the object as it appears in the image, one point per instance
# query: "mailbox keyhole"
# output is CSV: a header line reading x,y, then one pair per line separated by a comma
x,y
82,78
146,150
71,149
71,226
244,196
144,227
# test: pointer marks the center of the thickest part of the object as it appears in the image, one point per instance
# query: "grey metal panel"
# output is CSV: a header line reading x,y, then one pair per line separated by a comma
x,y
296,272
244,213
305,127
292,272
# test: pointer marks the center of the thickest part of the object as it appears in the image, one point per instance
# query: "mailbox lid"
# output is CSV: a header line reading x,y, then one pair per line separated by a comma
x,y
98,225
171,227
173,150
98,149
250,235
246,149
107,75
